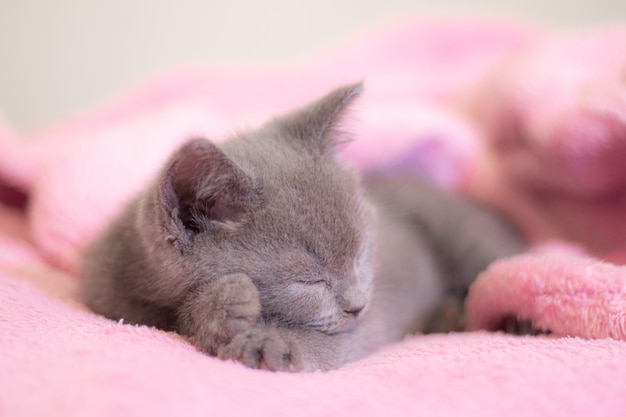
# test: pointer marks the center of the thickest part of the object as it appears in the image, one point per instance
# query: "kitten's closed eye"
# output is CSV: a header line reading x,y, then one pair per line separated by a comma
x,y
315,281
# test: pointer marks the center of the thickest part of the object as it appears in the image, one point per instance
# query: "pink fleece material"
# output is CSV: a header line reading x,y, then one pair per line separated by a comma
x,y
58,360
529,122
567,295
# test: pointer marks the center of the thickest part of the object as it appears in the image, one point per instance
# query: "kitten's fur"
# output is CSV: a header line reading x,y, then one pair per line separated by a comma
x,y
268,250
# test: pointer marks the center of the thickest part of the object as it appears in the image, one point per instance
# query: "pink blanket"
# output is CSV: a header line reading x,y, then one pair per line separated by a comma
x,y
533,123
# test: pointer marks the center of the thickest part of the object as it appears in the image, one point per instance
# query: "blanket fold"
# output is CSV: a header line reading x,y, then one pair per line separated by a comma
x,y
565,295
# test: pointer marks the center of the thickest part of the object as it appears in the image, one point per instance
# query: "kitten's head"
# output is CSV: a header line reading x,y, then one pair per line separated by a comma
x,y
275,204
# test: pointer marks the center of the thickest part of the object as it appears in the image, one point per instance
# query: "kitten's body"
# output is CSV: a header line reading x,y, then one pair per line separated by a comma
x,y
268,251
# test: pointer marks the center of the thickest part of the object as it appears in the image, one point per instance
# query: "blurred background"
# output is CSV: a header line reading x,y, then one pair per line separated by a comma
x,y
63,56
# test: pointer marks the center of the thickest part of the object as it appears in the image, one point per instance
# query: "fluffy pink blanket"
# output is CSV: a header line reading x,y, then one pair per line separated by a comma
x,y
531,122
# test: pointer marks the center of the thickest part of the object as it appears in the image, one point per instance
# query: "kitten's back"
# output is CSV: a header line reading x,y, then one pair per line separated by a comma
x,y
431,245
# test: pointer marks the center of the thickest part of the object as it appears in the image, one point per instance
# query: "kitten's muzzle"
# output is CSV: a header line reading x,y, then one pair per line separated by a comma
x,y
348,321
353,302
343,321
349,318
354,311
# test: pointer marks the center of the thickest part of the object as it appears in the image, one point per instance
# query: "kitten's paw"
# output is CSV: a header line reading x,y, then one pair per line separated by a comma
x,y
240,304
522,327
261,348
221,309
448,317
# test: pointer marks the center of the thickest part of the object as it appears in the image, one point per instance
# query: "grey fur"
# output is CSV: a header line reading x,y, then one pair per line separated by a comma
x,y
270,251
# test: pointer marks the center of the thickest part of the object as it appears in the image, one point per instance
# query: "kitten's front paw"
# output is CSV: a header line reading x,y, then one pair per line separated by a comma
x,y
241,304
262,348
222,308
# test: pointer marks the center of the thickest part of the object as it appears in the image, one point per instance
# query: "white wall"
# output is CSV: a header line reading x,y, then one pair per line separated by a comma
x,y
57,57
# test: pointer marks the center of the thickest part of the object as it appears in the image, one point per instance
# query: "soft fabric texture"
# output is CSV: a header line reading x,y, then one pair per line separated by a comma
x,y
506,113
566,295
555,119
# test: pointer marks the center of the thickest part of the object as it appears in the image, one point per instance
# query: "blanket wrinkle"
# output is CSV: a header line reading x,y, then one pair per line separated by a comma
x,y
567,295
528,121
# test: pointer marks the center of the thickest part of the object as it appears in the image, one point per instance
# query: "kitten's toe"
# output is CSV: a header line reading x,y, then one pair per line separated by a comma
x,y
261,348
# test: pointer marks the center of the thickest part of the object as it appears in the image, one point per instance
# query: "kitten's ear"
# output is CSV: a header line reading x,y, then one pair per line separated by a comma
x,y
316,124
200,189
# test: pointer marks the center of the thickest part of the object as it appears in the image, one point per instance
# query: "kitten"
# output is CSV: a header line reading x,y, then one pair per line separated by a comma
x,y
268,250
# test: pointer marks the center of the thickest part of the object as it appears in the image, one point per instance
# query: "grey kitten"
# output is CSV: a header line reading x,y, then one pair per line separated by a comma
x,y
270,251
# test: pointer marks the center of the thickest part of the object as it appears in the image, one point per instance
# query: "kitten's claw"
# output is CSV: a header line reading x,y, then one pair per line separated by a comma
x,y
261,348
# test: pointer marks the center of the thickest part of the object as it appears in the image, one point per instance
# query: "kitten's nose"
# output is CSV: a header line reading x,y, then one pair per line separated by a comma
x,y
354,310
353,303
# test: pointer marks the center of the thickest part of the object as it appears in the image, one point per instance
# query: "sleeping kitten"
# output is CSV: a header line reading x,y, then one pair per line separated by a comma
x,y
268,250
